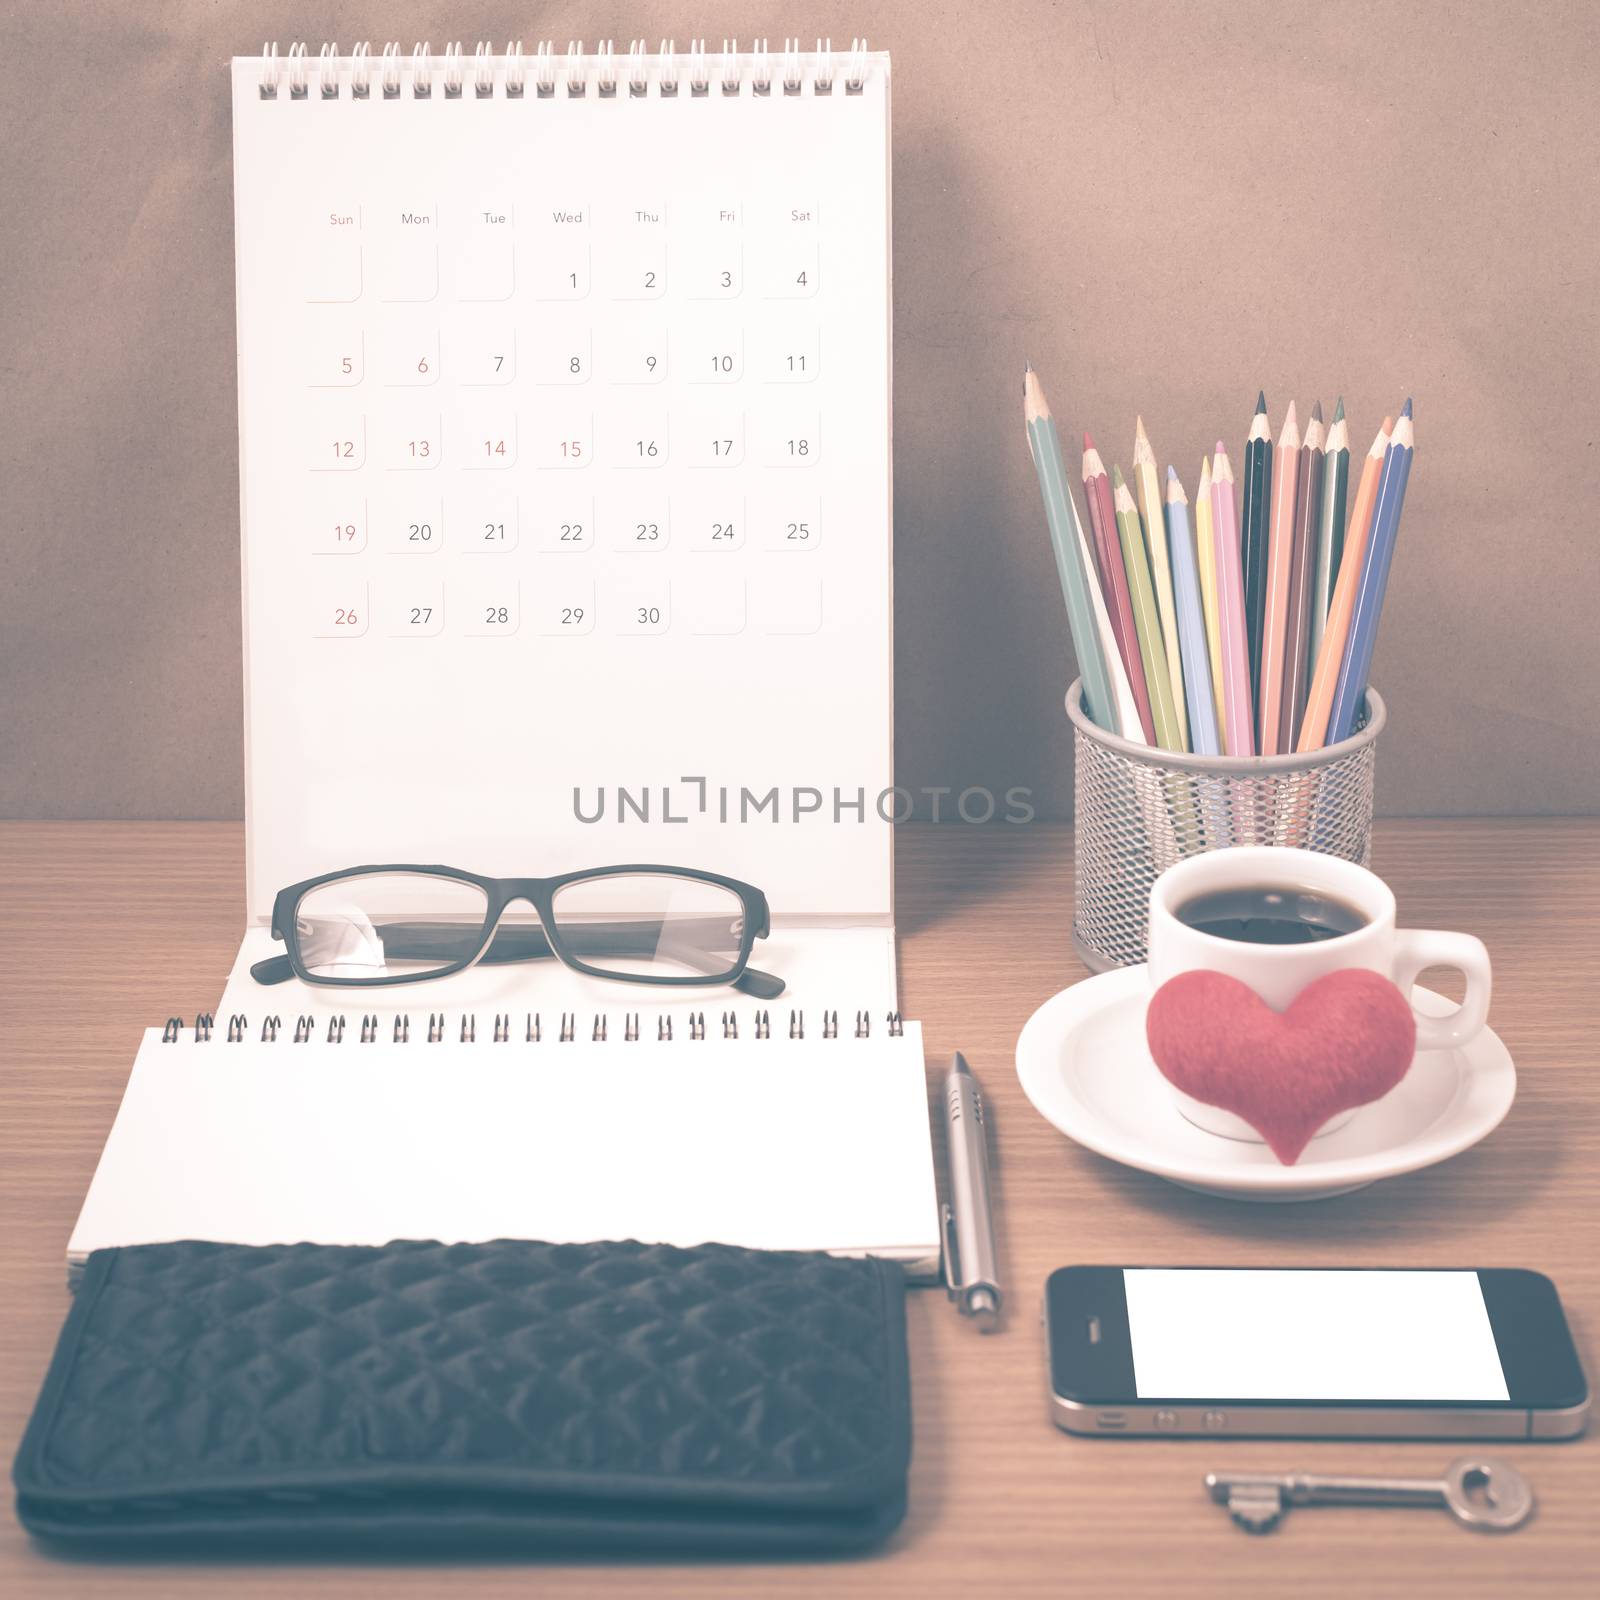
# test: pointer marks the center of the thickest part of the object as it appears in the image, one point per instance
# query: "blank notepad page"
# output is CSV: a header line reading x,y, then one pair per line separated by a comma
x,y
785,1144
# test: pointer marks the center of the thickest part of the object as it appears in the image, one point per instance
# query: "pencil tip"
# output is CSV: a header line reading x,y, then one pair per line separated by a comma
x,y
1316,411
1338,410
1172,474
1088,443
1261,401
1138,427
1116,476
1222,449
1406,410
1291,423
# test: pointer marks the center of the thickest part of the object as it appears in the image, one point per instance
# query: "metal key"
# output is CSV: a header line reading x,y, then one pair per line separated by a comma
x,y
1476,1490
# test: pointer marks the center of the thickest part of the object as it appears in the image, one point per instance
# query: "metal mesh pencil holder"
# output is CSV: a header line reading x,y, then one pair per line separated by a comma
x,y
1140,810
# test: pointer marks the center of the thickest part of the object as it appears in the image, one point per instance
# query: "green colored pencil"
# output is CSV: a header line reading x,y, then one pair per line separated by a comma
x,y
1044,444
1146,618
1330,528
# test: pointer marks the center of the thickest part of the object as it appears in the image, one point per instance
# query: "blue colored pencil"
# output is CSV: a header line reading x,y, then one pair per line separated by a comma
x,y
1350,695
1203,737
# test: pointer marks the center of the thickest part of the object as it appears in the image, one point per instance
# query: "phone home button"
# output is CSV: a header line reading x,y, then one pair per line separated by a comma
x,y
1215,1421
1166,1421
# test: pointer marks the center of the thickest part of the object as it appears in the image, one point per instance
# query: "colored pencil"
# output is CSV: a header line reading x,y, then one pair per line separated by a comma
x,y
1206,548
1147,620
1350,695
1044,444
1103,521
1155,538
1128,724
1302,579
1330,525
1275,606
1253,531
1203,738
1330,655
1239,707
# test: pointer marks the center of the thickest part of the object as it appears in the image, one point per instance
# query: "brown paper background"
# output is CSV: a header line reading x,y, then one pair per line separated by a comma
x,y
1163,206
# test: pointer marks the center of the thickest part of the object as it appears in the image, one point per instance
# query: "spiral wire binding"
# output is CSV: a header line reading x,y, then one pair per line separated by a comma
x,y
638,70
453,75
725,74
371,1027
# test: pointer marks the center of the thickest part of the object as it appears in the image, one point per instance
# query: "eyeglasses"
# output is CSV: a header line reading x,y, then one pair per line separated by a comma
x,y
400,924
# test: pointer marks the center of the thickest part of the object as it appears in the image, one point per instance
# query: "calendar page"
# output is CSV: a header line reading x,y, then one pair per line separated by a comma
x,y
565,466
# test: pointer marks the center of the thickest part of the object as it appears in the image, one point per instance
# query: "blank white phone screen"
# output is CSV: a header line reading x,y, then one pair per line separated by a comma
x,y
1307,1335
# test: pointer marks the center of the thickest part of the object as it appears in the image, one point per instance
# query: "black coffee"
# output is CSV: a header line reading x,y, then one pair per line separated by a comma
x,y
1270,914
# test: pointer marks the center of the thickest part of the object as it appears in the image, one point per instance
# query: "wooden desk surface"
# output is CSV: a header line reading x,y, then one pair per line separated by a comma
x,y
105,927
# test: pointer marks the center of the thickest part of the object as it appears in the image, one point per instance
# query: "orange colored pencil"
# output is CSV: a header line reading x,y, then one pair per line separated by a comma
x,y
1314,729
1280,557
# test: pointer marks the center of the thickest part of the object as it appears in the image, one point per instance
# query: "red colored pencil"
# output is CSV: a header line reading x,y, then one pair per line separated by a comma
x,y
1114,579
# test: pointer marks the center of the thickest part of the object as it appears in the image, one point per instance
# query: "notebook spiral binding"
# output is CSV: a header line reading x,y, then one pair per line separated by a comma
x,y
696,73
598,1030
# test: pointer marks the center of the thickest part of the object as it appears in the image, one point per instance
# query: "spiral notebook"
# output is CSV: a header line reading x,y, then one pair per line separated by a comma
x,y
565,501
566,1128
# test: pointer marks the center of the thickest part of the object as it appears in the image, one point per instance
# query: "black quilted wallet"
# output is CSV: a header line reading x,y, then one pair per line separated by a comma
x,y
504,1396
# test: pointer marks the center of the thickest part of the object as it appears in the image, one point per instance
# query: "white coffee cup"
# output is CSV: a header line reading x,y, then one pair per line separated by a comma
x,y
1278,972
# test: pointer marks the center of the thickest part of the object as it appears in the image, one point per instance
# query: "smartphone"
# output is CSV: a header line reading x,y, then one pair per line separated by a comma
x,y
1362,1352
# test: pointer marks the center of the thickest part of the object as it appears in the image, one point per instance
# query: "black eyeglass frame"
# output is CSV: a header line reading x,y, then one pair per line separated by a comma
x,y
540,893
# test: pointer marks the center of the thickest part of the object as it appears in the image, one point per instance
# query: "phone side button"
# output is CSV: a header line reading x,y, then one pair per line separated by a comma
x,y
1166,1420
1111,1421
1215,1421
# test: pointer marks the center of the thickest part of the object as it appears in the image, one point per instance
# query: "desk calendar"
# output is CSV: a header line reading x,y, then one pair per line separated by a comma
x,y
565,463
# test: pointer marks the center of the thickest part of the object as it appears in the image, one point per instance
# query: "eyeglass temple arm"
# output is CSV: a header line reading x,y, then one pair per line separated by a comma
x,y
421,940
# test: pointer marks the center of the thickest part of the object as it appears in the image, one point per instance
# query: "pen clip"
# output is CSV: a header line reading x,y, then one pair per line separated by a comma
x,y
953,1284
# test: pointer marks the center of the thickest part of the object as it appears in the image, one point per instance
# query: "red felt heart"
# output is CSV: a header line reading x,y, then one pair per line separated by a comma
x,y
1345,1040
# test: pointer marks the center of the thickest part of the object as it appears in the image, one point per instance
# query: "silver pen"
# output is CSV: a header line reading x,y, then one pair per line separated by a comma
x,y
971,1273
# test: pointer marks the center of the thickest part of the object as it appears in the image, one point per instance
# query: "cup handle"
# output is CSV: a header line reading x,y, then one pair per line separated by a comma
x,y
1418,948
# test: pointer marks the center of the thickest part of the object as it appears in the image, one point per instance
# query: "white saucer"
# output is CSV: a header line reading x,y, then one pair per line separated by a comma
x,y
1084,1064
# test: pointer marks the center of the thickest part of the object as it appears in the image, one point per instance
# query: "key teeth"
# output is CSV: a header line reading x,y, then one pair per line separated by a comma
x,y
1255,1512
